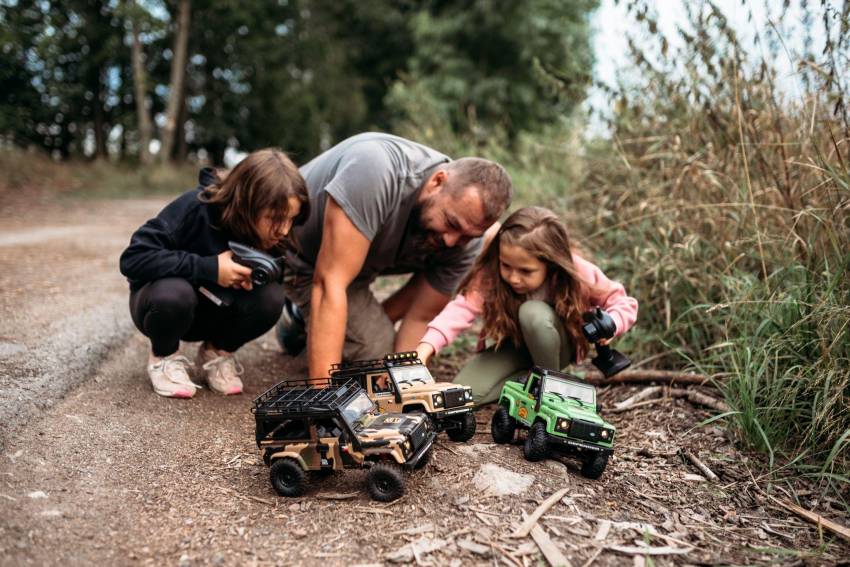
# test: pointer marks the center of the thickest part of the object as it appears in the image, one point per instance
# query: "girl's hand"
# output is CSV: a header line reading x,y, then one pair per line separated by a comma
x,y
231,274
425,352
603,342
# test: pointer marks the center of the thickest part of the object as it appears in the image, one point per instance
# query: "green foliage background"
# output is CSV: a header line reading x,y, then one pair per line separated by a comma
x,y
299,74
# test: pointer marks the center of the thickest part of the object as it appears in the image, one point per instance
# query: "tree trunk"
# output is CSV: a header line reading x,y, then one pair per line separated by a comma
x,y
178,75
140,88
181,153
100,151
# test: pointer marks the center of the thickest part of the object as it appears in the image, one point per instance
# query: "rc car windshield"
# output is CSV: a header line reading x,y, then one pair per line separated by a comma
x,y
358,407
415,374
569,389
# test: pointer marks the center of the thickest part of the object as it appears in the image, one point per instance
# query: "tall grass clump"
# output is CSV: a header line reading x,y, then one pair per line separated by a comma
x,y
725,197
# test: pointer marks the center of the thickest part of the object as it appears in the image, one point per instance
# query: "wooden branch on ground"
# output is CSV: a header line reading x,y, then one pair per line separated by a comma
x,y
816,518
529,523
699,398
549,550
639,397
703,468
644,376
692,396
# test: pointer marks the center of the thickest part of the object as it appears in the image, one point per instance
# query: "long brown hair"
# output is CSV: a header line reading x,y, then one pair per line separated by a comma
x,y
541,233
264,180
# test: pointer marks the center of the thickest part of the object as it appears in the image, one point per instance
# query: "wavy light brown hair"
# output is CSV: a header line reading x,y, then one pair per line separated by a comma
x,y
541,233
264,180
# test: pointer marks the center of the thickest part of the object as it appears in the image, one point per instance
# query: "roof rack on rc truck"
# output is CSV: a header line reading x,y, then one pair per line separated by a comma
x,y
301,429
561,413
400,382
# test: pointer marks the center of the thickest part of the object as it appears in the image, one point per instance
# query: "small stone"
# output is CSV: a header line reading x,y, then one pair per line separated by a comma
x,y
37,494
184,561
218,559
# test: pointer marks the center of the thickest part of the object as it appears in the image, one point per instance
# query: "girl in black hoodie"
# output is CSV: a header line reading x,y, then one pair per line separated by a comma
x,y
173,259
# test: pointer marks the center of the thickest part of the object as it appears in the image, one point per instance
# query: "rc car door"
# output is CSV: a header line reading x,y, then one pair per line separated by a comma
x,y
383,391
526,402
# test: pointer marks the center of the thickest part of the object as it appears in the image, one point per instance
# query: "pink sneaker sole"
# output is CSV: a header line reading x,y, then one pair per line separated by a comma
x,y
233,391
182,394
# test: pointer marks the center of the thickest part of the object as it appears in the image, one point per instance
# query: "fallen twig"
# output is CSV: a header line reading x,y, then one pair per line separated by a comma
x,y
640,396
531,520
337,495
549,550
703,468
248,496
635,550
816,518
699,398
693,396
643,376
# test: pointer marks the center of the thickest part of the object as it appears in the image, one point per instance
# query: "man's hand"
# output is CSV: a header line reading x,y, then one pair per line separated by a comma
x,y
340,259
231,274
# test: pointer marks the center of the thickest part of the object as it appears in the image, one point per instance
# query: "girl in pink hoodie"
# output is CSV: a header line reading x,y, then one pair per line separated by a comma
x,y
531,288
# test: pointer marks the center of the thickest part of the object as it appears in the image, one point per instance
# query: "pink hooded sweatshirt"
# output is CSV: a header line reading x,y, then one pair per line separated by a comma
x,y
460,313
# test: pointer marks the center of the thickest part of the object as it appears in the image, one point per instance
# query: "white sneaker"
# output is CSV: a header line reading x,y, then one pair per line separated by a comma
x,y
222,371
170,377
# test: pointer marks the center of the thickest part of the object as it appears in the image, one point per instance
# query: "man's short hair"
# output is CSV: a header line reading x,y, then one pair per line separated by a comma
x,y
489,177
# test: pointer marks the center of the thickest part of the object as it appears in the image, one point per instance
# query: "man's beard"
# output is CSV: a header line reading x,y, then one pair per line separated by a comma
x,y
421,237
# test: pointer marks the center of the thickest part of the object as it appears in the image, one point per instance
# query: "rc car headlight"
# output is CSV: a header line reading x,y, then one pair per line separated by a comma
x,y
468,394
562,424
407,445
438,400
604,434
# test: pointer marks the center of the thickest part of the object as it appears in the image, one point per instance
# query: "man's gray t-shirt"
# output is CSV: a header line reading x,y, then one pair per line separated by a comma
x,y
375,178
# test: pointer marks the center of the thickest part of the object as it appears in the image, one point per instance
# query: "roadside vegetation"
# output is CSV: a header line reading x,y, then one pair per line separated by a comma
x,y
722,200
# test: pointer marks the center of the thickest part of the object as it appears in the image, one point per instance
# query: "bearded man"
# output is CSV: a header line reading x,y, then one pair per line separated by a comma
x,y
381,204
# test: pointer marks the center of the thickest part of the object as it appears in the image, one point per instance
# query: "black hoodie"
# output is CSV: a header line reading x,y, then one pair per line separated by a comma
x,y
181,242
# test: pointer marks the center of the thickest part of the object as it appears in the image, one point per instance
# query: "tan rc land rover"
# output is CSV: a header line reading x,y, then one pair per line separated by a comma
x,y
399,382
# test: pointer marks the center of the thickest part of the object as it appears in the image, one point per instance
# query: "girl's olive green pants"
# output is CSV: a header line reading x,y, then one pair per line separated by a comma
x,y
545,343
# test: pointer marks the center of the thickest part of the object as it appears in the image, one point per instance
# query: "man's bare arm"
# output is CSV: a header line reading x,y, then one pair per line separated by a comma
x,y
341,257
422,303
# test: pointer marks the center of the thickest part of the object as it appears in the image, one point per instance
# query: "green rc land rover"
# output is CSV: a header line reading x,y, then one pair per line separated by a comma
x,y
399,382
301,428
560,413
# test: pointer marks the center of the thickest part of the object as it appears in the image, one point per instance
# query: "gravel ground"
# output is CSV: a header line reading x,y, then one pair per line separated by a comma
x,y
99,469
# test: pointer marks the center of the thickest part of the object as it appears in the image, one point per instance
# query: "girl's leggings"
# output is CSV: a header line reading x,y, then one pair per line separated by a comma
x,y
170,310
545,343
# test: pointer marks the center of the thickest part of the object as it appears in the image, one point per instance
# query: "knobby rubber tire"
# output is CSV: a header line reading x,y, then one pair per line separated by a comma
x,y
502,426
466,430
535,448
593,467
288,478
385,482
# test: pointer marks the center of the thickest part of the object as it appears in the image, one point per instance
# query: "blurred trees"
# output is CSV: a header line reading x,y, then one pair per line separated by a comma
x,y
105,77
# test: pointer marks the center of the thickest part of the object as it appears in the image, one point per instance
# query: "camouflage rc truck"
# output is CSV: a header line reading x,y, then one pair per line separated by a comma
x,y
560,413
302,428
399,382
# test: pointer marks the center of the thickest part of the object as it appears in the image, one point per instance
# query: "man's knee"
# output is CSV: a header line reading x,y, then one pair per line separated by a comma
x,y
369,332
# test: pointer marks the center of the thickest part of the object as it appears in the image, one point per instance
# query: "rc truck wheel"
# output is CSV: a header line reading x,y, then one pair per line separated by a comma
x,y
594,466
502,426
386,482
288,478
466,429
535,444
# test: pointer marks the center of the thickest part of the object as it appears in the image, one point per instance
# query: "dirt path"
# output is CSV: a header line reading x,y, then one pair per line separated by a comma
x,y
113,474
